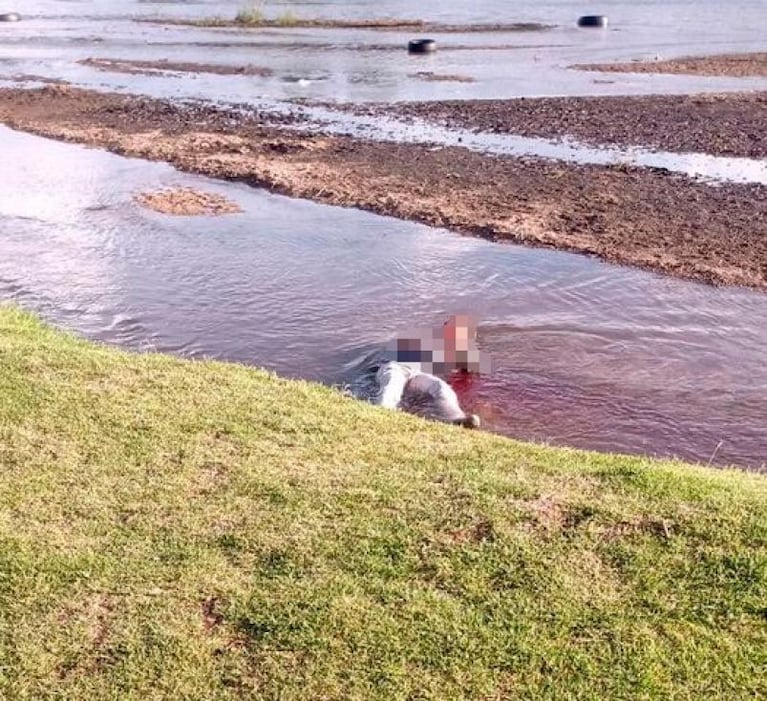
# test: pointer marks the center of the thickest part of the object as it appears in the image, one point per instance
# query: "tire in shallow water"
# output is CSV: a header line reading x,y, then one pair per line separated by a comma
x,y
421,46
10,17
592,21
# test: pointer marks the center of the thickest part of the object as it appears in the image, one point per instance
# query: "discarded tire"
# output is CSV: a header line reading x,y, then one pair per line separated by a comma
x,y
10,17
421,46
592,21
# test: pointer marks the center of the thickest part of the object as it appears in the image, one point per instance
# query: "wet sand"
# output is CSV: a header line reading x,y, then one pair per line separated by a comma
x,y
721,125
33,78
184,201
643,217
731,65
168,67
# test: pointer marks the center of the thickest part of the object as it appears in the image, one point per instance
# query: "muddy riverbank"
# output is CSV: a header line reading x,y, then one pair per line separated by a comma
x,y
290,21
431,77
722,125
166,67
730,65
648,218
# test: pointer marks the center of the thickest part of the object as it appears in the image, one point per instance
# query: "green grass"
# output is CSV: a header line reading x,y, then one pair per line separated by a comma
x,y
197,530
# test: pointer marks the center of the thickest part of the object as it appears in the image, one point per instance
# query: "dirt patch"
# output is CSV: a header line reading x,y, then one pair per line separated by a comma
x,y
93,618
644,217
659,528
479,532
730,65
428,76
187,202
544,512
551,516
725,125
212,618
166,67
211,477
380,24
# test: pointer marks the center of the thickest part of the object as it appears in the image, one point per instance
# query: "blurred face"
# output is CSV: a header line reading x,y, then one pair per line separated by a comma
x,y
458,332
441,350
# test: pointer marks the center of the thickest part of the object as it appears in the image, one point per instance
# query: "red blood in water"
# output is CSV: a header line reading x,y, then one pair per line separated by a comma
x,y
462,383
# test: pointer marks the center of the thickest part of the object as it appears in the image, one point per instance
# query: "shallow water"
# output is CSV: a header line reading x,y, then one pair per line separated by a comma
x,y
359,65
330,120
417,131
585,354
370,65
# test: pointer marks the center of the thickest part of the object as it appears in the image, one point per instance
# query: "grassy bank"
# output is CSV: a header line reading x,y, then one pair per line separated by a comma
x,y
186,530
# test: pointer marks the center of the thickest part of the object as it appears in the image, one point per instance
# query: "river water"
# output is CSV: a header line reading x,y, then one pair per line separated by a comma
x,y
585,353
372,65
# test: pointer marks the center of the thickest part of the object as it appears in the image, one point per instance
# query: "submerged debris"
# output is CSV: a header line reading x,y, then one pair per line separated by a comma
x,y
187,202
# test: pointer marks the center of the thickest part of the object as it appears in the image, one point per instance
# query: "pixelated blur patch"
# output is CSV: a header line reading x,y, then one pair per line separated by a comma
x,y
442,349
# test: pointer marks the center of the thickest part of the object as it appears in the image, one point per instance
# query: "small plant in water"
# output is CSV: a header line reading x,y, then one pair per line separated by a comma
x,y
252,13
287,19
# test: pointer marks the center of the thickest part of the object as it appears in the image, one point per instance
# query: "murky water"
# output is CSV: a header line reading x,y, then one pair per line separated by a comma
x,y
369,65
418,131
360,65
586,354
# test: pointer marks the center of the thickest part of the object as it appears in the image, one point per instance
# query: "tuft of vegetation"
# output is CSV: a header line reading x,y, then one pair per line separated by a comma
x,y
251,14
287,19
201,530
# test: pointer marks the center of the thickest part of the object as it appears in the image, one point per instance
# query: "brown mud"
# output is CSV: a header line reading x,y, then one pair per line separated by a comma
x,y
730,65
379,24
368,47
733,124
643,217
184,201
166,66
33,78
431,77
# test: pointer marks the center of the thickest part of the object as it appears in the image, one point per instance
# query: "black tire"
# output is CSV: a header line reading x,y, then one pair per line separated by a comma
x,y
421,46
592,21
10,17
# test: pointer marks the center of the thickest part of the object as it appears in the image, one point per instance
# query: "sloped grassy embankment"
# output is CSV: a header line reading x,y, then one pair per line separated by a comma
x,y
175,529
